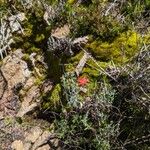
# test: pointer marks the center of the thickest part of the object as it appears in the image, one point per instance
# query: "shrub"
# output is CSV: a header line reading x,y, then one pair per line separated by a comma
x,y
132,101
85,125
91,20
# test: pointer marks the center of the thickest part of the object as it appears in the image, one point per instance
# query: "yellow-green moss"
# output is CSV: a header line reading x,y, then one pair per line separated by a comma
x,y
28,29
26,57
39,80
91,72
34,49
71,1
92,86
26,45
70,67
54,100
77,57
91,68
39,37
120,50
55,96
8,120
146,38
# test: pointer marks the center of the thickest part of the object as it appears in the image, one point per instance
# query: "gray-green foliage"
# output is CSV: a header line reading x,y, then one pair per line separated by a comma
x,y
132,101
71,90
5,37
86,126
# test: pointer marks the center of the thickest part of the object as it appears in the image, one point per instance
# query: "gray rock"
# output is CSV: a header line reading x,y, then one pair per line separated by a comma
x,y
49,14
37,139
27,146
43,139
61,32
13,72
14,21
45,147
25,109
17,145
55,143
33,135
16,79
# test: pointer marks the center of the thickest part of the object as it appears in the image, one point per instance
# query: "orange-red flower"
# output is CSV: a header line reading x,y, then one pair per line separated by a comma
x,y
82,81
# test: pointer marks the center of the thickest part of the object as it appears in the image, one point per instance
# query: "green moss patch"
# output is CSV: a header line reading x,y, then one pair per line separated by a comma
x,y
52,101
120,50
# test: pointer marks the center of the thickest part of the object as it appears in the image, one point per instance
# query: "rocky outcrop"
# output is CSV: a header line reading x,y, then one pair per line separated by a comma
x,y
13,74
10,130
17,145
19,93
8,26
22,136
14,22
37,139
31,95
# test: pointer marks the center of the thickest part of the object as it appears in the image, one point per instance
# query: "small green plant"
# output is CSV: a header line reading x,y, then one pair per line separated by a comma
x,y
87,126
71,90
